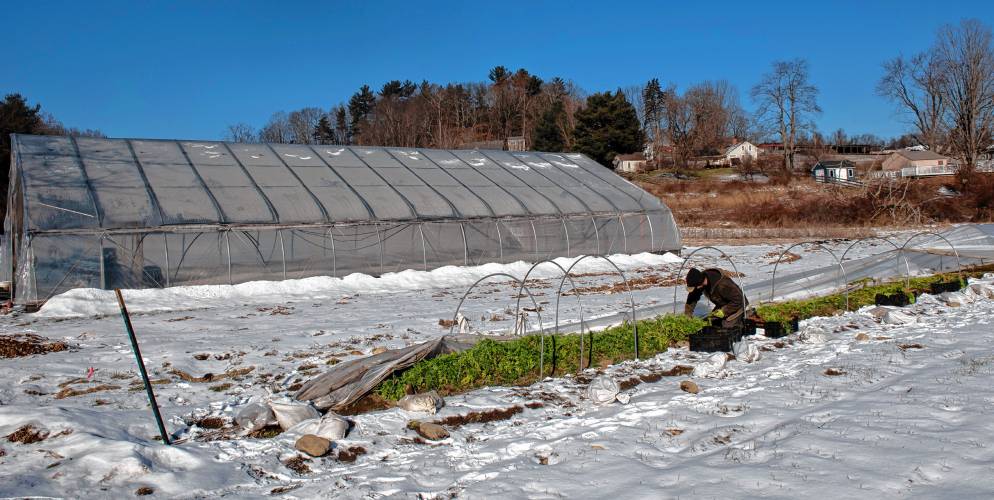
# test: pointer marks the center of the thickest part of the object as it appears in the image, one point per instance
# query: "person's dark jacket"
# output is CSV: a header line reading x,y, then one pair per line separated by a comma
x,y
721,291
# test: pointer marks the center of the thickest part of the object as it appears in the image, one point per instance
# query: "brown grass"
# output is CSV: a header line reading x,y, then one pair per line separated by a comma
x,y
21,345
210,377
656,376
27,434
298,464
69,392
350,455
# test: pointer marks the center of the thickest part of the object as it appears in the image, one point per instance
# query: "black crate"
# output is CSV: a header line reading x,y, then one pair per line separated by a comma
x,y
898,299
749,327
714,339
776,329
947,286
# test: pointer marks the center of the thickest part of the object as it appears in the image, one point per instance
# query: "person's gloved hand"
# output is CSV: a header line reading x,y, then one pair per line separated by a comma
x,y
688,310
718,313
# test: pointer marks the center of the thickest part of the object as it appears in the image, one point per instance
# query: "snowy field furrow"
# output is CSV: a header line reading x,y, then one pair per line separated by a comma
x,y
908,411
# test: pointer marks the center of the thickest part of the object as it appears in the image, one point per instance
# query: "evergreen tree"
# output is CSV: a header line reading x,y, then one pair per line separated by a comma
x,y
323,133
360,106
16,117
547,135
607,127
342,129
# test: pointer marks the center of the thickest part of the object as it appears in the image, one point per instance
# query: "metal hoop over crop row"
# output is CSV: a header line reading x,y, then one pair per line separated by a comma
x,y
900,252
517,309
631,299
773,281
879,238
687,259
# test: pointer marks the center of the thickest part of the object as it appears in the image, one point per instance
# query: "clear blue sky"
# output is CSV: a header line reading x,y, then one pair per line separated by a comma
x,y
187,69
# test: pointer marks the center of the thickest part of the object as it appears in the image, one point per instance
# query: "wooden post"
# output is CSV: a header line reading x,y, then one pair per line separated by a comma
x,y
141,366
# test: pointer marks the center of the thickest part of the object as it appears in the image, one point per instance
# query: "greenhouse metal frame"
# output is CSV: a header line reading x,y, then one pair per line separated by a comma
x,y
131,213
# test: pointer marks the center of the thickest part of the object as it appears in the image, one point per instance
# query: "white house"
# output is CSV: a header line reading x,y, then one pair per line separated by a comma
x,y
736,153
630,163
834,170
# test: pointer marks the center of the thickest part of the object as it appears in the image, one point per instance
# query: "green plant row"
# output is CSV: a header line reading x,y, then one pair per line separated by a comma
x,y
784,312
517,361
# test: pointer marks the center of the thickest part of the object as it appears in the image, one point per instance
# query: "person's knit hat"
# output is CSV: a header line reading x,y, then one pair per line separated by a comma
x,y
695,278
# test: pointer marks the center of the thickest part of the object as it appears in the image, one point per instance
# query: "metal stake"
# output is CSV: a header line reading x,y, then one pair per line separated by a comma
x,y
141,365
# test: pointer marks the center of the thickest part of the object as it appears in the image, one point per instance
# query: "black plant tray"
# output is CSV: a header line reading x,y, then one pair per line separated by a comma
x,y
898,299
714,339
947,286
775,329
749,327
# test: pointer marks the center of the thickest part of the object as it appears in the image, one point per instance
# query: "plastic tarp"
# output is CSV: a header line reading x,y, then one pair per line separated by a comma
x,y
107,213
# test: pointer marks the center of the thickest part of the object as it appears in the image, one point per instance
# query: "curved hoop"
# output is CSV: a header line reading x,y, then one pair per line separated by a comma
x,y
900,252
773,283
631,297
907,265
687,259
493,275
517,308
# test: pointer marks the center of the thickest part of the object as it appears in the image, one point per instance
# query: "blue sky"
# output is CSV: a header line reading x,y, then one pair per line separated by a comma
x,y
188,69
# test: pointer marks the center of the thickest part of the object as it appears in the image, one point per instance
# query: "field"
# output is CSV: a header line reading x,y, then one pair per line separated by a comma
x,y
865,403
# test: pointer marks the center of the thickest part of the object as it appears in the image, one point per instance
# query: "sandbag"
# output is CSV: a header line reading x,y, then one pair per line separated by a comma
x,y
331,427
255,416
603,390
981,290
423,403
711,366
897,317
955,299
746,351
289,414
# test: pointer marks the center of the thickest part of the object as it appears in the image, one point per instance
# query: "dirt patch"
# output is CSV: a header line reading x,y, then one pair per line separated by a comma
x,y
27,434
144,490
69,392
786,259
173,320
211,423
534,405
656,376
22,345
640,283
905,347
673,431
283,489
480,417
369,402
350,455
298,464
210,377
269,431
834,372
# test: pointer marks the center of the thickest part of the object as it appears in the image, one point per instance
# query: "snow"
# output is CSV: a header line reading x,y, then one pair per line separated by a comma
x,y
907,412
81,302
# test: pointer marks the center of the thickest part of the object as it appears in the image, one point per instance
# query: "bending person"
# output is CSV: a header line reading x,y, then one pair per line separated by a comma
x,y
728,299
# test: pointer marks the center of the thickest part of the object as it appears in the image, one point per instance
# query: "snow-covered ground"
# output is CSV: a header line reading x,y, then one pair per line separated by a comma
x,y
776,427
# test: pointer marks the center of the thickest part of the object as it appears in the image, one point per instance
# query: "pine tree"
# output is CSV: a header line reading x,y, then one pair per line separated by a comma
x,y
607,127
323,133
360,105
16,117
547,135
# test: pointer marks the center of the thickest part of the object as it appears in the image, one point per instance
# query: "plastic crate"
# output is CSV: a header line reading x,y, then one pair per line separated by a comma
x,y
899,299
946,286
714,339
775,329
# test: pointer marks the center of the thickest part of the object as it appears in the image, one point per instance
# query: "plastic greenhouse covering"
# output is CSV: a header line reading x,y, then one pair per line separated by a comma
x,y
127,213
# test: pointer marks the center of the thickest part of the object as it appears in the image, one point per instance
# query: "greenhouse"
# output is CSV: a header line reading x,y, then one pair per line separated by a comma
x,y
127,213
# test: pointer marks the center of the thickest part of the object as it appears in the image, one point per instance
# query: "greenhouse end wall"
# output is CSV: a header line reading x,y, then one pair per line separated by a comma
x,y
129,213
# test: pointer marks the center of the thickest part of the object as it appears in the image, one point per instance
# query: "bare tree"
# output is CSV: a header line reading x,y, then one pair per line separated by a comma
x,y
786,101
917,86
277,129
968,54
302,123
240,132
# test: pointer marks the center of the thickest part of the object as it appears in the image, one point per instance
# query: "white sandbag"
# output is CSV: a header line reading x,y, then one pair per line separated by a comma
x,y
255,416
955,299
711,366
331,427
603,390
289,414
429,402
878,312
746,351
980,290
897,317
